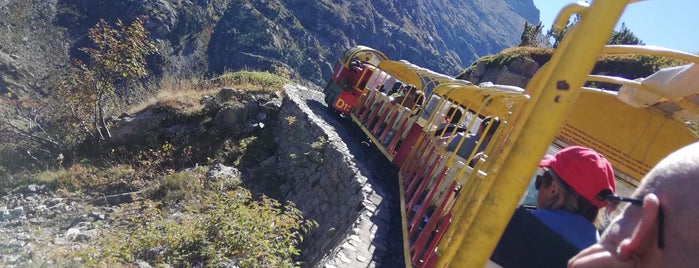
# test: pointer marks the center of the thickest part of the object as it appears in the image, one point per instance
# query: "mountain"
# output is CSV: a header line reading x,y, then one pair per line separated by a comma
x,y
300,37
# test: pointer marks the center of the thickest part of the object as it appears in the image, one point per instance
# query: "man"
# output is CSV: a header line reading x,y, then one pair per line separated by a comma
x,y
575,184
660,233
451,124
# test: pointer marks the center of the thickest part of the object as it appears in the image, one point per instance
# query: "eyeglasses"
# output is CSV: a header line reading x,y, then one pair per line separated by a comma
x,y
614,200
544,175
538,182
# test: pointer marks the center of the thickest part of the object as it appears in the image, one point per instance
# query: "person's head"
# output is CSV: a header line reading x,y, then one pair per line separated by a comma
x,y
453,115
415,94
396,86
573,180
355,65
493,122
661,232
419,97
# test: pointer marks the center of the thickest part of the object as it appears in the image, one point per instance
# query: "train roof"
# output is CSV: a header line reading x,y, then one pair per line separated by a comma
x,y
424,79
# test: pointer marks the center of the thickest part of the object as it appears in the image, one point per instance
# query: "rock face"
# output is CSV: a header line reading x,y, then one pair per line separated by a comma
x,y
32,217
319,171
440,35
302,37
517,73
32,48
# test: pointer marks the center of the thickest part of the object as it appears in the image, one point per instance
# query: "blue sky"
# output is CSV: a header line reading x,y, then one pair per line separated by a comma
x,y
666,23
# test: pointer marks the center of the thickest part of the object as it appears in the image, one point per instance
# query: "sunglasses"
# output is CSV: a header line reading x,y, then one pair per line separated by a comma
x,y
538,182
613,202
542,176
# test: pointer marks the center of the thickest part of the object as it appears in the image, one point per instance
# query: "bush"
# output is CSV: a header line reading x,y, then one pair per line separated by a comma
x,y
229,228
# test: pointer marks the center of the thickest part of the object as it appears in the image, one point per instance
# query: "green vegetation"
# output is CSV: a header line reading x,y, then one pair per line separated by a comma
x,y
218,226
505,57
45,131
627,66
118,56
530,35
174,217
624,37
182,218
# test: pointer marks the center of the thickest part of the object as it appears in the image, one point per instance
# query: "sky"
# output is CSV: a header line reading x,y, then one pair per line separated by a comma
x,y
665,23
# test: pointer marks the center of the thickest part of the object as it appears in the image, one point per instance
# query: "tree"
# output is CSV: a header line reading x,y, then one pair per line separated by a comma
x,y
119,54
558,35
621,37
530,35
624,37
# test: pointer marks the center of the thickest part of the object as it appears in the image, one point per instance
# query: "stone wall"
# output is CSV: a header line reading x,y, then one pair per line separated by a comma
x,y
328,186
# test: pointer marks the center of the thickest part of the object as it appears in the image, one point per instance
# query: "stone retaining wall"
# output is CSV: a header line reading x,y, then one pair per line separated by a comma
x,y
328,186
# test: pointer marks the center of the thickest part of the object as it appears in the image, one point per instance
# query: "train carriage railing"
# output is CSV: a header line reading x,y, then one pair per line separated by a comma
x,y
388,123
433,179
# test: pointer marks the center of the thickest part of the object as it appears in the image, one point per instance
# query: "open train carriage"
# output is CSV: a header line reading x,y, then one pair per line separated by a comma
x,y
438,173
434,180
633,137
350,76
394,123
455,207
407,135
635,128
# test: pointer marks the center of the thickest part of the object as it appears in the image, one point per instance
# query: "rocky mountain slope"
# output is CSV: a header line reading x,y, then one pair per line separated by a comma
x,y
300,37
314,163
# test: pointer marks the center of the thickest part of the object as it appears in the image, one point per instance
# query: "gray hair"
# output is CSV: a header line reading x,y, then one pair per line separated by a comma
x,y
675,180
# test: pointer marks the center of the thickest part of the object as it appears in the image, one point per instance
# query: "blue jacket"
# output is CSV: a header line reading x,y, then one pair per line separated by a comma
x,y
529,242
574,228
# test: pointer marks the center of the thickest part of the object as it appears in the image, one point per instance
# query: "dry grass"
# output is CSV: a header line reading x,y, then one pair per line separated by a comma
x,y
185,95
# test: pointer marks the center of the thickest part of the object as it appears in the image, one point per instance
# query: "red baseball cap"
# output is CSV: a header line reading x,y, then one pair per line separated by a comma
x,y
584,169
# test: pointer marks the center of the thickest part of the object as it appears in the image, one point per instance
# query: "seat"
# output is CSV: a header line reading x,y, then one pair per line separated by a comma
x,y
528,242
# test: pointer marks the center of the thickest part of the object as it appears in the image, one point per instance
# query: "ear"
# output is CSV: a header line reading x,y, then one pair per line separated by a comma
x,y
554,187
644,235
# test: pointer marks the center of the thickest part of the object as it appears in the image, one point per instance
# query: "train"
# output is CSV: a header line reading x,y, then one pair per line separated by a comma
x,y
456,197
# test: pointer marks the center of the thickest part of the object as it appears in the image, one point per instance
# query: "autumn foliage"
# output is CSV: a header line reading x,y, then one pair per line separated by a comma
x,y
119,55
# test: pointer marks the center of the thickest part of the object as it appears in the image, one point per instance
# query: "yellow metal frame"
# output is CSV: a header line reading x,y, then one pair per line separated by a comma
x,y
363,53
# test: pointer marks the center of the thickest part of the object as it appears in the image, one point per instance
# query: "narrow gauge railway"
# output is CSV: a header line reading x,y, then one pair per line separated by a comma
x,y
456,202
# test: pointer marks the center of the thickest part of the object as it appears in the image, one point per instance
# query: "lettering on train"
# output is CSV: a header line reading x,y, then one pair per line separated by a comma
x,y
342,105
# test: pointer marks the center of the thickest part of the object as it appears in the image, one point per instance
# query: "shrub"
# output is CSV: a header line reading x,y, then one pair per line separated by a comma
x,y
119,55
229,229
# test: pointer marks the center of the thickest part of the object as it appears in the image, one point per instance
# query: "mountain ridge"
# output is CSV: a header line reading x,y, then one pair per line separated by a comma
x,y
304,38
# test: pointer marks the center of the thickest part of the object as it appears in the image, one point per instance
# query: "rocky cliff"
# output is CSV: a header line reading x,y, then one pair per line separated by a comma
x,y
320,165
301,37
